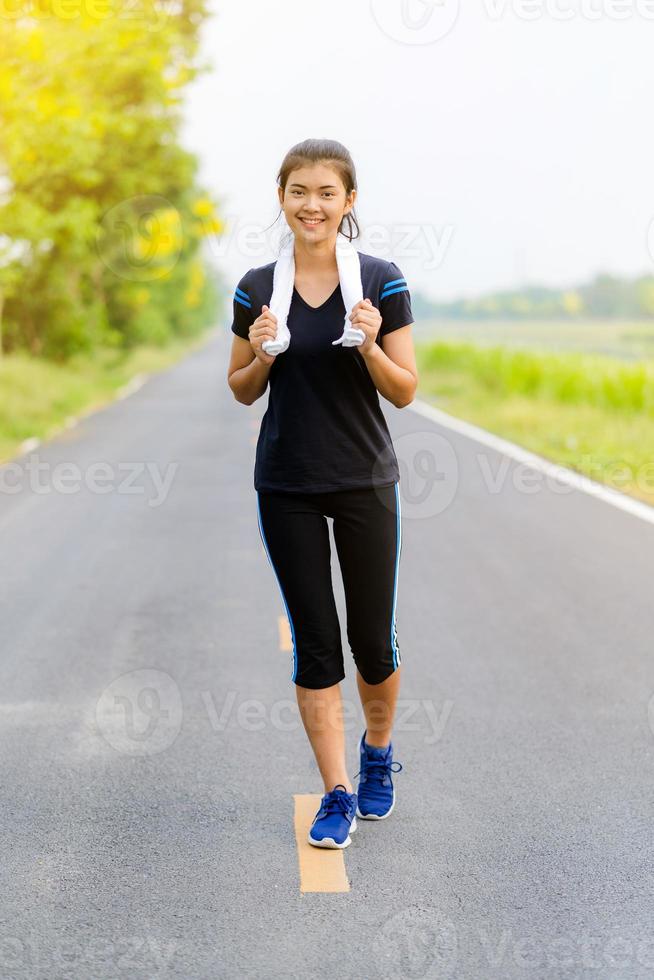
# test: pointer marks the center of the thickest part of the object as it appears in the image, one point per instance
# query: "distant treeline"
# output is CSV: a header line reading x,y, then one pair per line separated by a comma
x,y
605,297
101,218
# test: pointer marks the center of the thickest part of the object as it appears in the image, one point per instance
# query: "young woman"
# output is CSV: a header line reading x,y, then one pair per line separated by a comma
x,y
324,450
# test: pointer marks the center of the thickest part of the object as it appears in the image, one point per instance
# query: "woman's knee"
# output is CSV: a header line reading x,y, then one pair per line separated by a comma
x,y
376,672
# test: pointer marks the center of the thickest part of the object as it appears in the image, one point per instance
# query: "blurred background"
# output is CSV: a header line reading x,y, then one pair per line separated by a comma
x,y
504,162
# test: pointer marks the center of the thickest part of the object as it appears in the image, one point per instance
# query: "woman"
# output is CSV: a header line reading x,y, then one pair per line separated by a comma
x,y
324,450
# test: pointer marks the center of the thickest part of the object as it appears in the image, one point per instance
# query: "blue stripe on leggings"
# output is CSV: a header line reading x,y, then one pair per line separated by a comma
x,y
397,659
263,538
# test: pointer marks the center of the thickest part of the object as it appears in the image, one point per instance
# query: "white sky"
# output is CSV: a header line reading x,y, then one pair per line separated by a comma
x,y
507,151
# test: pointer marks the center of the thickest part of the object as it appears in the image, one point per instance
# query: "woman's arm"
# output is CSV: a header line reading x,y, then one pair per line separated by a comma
x,y
247,375
393,368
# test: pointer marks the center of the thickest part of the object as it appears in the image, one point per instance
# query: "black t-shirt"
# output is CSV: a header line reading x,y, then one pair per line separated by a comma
x,y
323,429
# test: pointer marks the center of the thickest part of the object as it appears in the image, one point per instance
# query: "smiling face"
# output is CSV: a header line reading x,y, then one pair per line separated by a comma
x,y
314,202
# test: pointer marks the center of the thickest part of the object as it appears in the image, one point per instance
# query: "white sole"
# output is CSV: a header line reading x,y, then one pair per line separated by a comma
x,y
330,842
375,816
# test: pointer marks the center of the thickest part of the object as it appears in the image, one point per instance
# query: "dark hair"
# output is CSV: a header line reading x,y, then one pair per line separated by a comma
x,y
332,153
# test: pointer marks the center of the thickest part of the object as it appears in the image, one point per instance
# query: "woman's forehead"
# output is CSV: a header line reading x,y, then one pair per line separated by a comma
x,y
315,175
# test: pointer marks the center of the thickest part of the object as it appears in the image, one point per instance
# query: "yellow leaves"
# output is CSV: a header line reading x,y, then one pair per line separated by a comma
x,y
210,223
6,84
213,227
46,104
127,38
208,226
50,103
180,78
35,45
94,11
71,111
163,235
193,294
202,207
197,274
572,302
97,124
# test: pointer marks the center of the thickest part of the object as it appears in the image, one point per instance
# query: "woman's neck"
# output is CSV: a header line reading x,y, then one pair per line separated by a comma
x,y
317,258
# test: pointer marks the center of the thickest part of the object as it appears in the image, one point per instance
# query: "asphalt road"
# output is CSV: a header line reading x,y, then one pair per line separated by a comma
x,y
150,753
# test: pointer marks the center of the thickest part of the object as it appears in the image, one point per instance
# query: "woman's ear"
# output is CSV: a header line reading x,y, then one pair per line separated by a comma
x,y
349,201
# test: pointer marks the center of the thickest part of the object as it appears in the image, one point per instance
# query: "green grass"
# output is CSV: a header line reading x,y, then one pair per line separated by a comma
x,y
37,396
591,413
625,339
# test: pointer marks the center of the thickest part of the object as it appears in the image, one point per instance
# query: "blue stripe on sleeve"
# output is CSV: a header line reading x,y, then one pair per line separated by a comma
x,y
389,292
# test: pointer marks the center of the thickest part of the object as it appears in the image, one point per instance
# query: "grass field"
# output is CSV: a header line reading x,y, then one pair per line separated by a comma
x,y
37,397
590,412
615,338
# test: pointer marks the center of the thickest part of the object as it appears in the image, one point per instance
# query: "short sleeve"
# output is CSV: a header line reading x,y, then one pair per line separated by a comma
x,y
243,308
394,301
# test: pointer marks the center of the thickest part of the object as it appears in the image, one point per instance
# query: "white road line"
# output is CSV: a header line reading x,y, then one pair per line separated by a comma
x,y
562,473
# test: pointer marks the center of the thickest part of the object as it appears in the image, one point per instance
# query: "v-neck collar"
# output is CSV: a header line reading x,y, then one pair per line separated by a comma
x,y
316,308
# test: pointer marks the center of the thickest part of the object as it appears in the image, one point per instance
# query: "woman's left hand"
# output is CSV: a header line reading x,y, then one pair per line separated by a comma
x,y
367,318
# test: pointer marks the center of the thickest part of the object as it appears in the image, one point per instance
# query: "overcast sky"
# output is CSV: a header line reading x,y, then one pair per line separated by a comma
x,y
491,149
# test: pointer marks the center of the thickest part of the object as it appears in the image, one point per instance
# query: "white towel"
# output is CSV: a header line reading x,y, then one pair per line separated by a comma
x,y
349,273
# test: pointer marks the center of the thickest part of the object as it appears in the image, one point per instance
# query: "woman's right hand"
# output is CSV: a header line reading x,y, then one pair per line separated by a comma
x,y
264,328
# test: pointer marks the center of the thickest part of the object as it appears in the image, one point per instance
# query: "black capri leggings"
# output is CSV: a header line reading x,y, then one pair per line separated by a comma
x,y
368,536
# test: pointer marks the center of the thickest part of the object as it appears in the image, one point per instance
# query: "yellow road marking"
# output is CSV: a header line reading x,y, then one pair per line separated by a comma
x,y
322,869
285,638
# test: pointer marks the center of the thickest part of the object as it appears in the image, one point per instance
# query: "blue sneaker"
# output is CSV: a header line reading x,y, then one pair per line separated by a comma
x,y
335,819
376,795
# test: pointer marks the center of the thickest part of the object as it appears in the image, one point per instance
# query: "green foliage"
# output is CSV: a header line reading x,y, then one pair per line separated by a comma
x,y
101,222
605,297
570,378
